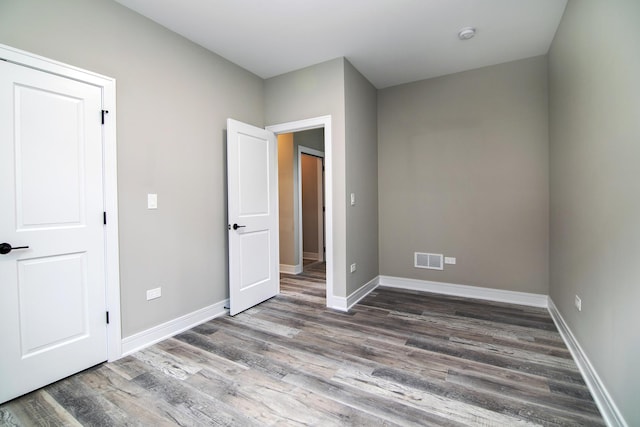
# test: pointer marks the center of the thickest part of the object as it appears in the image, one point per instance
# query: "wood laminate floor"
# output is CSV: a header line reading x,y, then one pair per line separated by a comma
x,y
397,358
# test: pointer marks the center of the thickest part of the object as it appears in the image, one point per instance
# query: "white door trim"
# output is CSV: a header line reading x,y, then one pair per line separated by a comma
x,y
110,192
320,182
305,150
315,123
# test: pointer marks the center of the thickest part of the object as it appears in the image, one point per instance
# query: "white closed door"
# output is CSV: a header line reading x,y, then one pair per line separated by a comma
x,y
52,281
252,179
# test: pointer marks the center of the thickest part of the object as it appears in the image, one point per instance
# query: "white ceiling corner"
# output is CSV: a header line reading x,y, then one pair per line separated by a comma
x,y
389,41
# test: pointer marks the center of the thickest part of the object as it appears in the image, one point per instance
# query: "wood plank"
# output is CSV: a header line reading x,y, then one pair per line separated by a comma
x,y
450,409
275,402
503,404
390,411
541,368
514,391
396,358
39,408
166,363
86,404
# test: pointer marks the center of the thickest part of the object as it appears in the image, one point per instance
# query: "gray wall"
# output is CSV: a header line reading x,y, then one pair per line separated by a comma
x,y
312,92
594,77
463,171
336,88
361,177
287,215
173,99
312,138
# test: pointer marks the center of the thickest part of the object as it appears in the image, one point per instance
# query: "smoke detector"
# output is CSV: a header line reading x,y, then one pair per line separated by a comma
x,y
466,33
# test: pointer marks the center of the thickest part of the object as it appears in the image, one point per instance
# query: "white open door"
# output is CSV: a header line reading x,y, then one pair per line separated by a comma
x,y
252,181
52,251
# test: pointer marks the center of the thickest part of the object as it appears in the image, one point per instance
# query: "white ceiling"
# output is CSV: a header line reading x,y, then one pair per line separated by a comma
x,y
389,41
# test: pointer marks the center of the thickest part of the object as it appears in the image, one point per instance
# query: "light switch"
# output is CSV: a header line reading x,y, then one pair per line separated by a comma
x,y
154,293
353,199
152,201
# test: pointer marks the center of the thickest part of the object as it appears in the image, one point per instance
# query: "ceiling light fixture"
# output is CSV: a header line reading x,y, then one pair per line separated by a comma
x,y
466,33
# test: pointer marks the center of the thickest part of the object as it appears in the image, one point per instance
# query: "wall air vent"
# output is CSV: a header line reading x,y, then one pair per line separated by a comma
x,y
431,261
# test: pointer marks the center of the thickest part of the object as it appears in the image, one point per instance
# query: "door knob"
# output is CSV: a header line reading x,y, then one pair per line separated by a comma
x,y
5,248
236,226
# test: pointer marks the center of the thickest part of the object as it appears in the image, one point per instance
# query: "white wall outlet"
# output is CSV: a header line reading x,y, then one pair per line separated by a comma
x,y
353,199
353,267
578,303
154,293
152,201
449,260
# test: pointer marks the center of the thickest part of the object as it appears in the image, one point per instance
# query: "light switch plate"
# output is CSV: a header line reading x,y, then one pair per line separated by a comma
x,y
152,201
353,199
154,293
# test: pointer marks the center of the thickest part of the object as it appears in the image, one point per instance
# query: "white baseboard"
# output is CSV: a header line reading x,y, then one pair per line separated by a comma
x,y
310,255
345,304
168,329
607,406
512,297
362,292
291,269
337,303
490,294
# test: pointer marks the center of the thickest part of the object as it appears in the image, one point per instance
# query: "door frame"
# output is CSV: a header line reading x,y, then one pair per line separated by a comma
x,y
110,178
316,123
319,155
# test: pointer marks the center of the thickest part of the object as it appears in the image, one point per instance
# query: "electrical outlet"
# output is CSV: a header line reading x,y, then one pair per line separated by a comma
x,y
578,303
353,267
154,293
449,260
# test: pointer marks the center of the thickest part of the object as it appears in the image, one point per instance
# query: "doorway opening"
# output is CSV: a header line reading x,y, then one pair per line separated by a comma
x,y
301,199
311,204
287,220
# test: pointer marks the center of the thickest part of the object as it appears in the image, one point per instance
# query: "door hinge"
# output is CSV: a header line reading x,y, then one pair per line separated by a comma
x,y
104,218
103,113
107,317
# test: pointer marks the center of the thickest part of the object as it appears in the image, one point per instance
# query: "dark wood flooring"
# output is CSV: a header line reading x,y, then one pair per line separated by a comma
x,y
397,358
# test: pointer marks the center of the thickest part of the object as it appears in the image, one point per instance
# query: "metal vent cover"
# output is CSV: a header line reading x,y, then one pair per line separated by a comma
x,y
430,261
